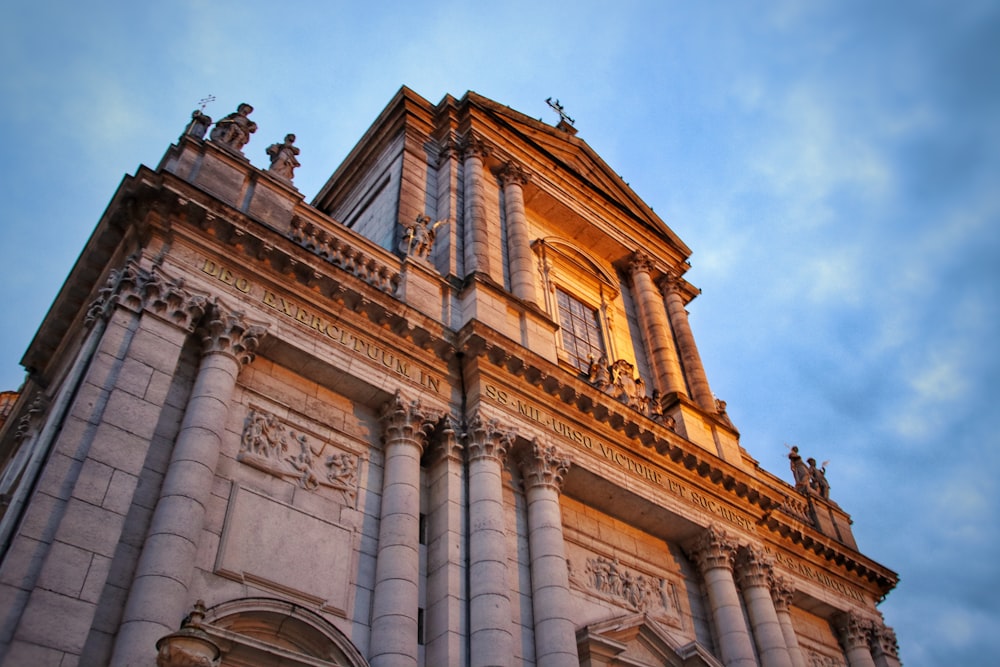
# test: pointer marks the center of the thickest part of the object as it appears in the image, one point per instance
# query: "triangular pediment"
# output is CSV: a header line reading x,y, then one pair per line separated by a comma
x,y
636,640
574,156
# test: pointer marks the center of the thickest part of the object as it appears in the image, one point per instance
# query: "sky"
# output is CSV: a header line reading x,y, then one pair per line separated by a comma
x,y
833,165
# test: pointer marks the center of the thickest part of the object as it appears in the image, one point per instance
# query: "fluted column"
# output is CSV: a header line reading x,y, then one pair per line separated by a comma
x,y
522,273
781,594
690,359
489,598
753,572
854,636
658,334
159,593
544,468
714,554
477,245
886,649
395,599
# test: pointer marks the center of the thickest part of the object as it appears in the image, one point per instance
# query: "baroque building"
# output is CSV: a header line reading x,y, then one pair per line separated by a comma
x,y
451,413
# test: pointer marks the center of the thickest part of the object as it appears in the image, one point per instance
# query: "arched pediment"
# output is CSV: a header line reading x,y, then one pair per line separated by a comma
x,y
636,639
262,631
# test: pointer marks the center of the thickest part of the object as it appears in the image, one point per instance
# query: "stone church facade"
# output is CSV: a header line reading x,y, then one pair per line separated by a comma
x,y
451,413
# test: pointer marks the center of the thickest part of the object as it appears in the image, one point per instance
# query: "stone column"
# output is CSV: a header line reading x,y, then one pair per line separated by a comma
x,y
714,554
489,597
781,595
753,572
522,273
886,649
477,246
854,633
159,593
446,617
544,468
395,599
656,328
691,360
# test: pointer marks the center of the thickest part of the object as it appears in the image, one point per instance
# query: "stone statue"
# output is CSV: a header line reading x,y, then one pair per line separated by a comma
x,y
198,125
799,471
234,130
598,373
817,479
418,237
283,160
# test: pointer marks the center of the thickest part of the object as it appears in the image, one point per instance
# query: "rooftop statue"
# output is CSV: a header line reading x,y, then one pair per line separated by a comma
x,y
283,158
817,478
799,471
198,125
234,130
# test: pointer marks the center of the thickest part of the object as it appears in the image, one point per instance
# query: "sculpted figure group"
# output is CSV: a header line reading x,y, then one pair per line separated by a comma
x,y
809,479
618,381
233,131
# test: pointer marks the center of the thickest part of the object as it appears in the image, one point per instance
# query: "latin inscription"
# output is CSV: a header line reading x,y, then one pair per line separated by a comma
x,y
617,457
359,345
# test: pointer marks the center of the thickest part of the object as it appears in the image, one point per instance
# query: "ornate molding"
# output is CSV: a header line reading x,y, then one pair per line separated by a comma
x,y
544,466
267,444
753,568
338,252
884,640
487,440
854,631
474,146
137,289
782,591
640,262
230,334
713,549
513,174
406,421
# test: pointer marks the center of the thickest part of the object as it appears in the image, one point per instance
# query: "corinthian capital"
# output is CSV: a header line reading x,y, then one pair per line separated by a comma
x,y
227,332
753,568
513,174
855,631
885,640
640,262
486,439
474,146
782,591
543,465
713,549
406,421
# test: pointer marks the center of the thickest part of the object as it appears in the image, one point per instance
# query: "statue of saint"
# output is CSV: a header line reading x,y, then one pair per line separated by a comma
x,y
418,238
817,478
799,471
283,160
198,125
234,130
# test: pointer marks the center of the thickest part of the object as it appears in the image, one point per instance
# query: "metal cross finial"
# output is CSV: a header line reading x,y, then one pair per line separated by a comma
x,y
559,109
205,101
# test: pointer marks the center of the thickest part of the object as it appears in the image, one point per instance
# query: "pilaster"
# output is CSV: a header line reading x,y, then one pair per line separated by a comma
x,y
477,241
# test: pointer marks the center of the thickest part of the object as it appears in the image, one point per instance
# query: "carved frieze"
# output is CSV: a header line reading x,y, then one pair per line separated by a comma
x,y
340,253
609,580
269,445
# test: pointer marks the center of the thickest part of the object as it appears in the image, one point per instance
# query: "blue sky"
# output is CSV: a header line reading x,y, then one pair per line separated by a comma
x,y
835,167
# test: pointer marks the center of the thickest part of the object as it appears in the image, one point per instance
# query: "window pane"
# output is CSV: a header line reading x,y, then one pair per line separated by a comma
x,y
581,330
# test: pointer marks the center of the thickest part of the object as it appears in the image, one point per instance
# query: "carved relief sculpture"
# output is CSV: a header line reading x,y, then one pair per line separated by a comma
x,y
266,444
418,237
607,579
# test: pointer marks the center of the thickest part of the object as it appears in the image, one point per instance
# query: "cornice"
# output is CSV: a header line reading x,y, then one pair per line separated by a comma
x,y
782,512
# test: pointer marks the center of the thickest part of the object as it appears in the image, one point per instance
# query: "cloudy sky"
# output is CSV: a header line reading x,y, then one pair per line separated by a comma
x,y
835,167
